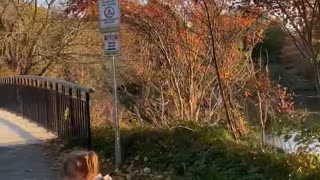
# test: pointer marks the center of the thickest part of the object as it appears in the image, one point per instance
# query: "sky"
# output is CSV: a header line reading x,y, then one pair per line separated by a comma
x,y
43,2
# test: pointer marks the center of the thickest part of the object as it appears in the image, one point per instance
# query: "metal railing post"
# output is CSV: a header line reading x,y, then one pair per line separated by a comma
x,y
89,143
71,112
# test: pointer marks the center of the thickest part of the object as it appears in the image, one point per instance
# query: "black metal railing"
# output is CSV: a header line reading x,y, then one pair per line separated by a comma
x,y
57,105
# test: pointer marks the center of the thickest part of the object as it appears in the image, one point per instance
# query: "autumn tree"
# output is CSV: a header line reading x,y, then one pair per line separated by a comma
x,y
178,40
34,39
191,61
185,78
298,18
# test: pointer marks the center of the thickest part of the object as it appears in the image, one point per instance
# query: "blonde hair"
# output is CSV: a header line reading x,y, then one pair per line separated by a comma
x,y
84,162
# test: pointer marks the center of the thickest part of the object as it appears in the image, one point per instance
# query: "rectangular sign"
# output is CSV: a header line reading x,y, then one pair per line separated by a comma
x,y
109,14
111,43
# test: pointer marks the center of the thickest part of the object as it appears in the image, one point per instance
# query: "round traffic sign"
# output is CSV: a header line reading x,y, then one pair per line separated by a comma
x,y
109,12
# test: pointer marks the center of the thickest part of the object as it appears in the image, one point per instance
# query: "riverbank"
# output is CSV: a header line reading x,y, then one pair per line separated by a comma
x,y
200,153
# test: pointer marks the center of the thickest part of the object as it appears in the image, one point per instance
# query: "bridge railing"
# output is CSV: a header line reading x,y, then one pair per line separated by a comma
x,y
59,106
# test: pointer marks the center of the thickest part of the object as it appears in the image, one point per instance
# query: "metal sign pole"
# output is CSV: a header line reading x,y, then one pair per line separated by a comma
x,y
109,23
116,117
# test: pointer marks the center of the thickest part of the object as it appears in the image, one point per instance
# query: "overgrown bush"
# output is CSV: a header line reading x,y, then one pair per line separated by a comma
x,y
204,153
175,65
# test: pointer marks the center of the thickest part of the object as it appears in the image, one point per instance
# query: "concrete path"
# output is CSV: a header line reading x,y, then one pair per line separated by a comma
x,y
21,152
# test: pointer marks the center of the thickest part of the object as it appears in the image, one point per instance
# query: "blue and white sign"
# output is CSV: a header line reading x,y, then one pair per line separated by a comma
x,y
111,43
109,14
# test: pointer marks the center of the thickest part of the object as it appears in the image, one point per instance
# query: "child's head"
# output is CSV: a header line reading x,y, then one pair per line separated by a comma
x,y
81,165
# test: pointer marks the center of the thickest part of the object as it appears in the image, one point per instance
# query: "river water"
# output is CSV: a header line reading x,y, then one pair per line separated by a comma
x,y
291,145
309,102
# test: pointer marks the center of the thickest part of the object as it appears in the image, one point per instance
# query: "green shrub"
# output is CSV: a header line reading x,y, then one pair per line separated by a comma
x,y
205,153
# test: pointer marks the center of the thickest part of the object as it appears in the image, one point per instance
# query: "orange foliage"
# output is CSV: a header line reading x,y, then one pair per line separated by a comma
x,y
246,22
9,73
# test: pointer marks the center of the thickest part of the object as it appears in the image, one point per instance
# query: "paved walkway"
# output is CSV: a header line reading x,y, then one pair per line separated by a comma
x,y
21,155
